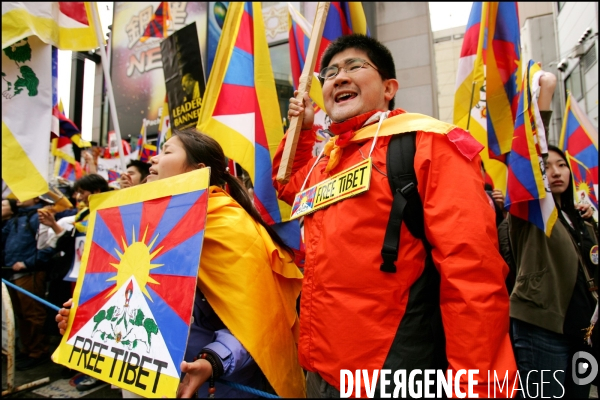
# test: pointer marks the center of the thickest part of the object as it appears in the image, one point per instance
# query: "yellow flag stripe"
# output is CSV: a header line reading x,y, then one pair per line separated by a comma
x,y
221,62
59,153
227,137
264,83
316,93
19,23
357,15
18,171
533,152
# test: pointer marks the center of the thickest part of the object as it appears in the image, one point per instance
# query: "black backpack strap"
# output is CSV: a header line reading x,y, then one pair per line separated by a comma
x,y
406,205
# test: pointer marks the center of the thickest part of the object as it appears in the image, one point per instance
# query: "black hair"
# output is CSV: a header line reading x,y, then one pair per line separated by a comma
x,y
142,167
91,183
567,198
379,55
201,148
13,206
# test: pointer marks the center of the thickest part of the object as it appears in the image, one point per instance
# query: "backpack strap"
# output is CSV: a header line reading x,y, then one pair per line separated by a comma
x,y
406,205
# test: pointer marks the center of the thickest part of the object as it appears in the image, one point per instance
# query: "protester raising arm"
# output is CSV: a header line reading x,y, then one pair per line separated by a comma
x,y
90,162
417,309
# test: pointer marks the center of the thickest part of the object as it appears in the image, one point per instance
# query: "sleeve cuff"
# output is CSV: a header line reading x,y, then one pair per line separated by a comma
x,y
215,359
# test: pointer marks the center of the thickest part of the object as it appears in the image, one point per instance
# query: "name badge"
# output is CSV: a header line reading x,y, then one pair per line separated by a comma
x,y
348,183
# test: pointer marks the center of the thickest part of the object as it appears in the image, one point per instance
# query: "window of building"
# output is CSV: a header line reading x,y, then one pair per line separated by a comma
x,y
574,84
442,39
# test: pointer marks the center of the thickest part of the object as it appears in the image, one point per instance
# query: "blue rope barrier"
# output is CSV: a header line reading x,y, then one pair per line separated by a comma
x,y
44,302
231,384
248,389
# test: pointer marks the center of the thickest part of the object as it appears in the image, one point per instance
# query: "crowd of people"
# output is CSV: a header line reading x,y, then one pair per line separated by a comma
x,y
474,288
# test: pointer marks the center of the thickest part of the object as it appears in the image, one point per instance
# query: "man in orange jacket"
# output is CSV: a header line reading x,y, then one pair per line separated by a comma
x,y
354,316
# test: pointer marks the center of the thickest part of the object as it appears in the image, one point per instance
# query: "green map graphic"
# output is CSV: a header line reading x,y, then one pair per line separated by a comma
x,y
20,52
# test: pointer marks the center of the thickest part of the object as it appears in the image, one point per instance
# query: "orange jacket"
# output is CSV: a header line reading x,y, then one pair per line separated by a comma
x,y
350,310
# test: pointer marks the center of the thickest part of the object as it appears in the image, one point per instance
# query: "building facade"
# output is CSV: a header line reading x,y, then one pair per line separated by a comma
x,y
577,45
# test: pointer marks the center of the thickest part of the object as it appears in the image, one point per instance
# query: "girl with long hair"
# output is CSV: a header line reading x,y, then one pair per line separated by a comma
x,y
554,295
245,323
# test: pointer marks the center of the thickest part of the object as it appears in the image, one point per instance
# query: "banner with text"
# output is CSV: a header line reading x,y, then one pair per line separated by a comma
x,y
184,78
127,325
136,67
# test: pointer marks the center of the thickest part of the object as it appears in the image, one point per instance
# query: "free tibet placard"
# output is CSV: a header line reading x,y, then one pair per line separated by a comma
x,y
134,296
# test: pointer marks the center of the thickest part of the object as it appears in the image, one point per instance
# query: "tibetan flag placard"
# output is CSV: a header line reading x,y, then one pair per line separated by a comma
x,y
134,297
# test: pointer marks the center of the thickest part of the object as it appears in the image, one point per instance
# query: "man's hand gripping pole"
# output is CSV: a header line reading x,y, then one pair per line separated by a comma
x,y
287,158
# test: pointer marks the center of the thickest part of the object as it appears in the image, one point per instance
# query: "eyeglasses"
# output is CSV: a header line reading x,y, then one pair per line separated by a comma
x,y
349,67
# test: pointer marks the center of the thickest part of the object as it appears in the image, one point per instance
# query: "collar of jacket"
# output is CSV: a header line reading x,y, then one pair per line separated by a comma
x,y
25,210
344,132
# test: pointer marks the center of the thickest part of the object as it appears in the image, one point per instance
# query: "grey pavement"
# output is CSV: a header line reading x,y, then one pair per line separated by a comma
x,y
55,373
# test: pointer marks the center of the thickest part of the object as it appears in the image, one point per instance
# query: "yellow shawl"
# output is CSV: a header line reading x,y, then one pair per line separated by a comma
x,y
253,285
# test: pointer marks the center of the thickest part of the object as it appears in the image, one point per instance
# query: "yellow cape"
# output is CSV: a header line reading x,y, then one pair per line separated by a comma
x,y
253,285
408,122
403,123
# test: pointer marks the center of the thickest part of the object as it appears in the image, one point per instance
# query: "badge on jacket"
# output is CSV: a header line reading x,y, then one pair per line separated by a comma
x,y
594,254
350,182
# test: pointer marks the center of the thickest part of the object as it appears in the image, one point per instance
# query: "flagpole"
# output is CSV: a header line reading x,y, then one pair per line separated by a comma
x,y
109,87
471,104
289,150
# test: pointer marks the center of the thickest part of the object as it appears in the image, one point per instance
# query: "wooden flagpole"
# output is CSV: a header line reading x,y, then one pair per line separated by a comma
x,y
287,159
109,87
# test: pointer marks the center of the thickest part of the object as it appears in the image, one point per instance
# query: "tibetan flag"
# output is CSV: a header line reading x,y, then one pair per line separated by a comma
x,y
141,244
69,136
583,184
26,116
65,135
343,18
470,77
113,176
469,97
503,74
147,152
528,192
67,170
159,23
579,137
64,24
241,110
488,82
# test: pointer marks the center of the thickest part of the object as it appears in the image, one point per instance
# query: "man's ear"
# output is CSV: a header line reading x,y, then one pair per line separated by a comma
x,y
390,87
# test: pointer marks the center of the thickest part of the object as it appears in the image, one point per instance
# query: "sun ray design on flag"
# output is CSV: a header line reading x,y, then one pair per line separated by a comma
x,y
156,243
135,261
